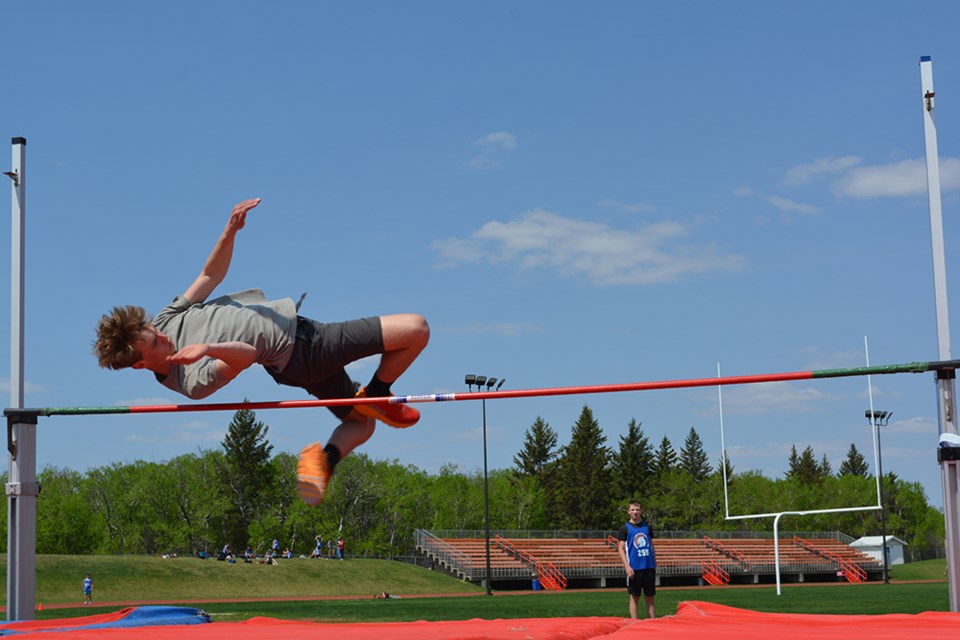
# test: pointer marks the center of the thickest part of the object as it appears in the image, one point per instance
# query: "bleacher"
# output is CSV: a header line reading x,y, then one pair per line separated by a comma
x,y
817,554
470,559
573,556
685,556
590,558
845,551
760,554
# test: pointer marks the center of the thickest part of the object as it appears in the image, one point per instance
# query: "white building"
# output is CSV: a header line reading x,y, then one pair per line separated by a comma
x,y
870,545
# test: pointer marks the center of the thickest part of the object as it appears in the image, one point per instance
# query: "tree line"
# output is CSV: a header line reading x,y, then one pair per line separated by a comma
x,y
242,494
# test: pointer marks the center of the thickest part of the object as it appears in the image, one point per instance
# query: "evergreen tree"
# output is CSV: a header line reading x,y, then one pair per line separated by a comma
x,y
665,459
245,473
724,461
854,465
693,459
633,462
804,468
581,493
825,468
539,448
793,464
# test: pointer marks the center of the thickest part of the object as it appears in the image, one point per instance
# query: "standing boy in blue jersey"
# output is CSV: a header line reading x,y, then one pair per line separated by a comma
x,y
636,552
87,589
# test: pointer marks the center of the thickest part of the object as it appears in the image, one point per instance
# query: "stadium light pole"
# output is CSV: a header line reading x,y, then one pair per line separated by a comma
x,y
481,381
880,419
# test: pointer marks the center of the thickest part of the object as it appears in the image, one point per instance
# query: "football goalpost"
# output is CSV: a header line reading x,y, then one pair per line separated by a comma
x,y
776,515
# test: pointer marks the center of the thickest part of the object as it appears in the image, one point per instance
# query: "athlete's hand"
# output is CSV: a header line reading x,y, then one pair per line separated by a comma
x,y
238,217
189,354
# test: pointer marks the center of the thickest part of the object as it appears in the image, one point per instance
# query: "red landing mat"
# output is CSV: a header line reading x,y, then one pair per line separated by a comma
x,y
692,620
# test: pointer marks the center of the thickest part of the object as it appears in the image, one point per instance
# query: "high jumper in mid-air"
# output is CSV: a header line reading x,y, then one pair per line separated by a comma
x,y
195,346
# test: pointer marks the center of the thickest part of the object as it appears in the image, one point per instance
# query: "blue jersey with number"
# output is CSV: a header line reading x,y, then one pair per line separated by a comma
x,y
640,546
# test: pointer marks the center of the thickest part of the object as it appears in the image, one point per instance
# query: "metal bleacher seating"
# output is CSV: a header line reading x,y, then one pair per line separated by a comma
x,y
591,557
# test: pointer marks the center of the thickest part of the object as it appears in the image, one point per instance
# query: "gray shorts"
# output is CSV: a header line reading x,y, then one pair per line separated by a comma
x,y
321,352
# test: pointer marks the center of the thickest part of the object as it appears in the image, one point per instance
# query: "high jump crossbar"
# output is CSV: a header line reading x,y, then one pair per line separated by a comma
x,y
911,367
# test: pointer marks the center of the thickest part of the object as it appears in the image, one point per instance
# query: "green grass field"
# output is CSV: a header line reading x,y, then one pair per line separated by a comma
x,y
200,583
132,578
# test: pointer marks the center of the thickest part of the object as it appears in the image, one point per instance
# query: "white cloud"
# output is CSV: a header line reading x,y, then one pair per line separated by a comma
x,y
492,146
635,207
194,432
783,204
790,206
459,250
363,364
583,249
804,173
777,453
498,140
817,358
926,426
904,178
771,397
28,387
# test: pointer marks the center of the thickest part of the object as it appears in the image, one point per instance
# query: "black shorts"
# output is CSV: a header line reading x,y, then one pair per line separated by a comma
x,y
644,581
322,351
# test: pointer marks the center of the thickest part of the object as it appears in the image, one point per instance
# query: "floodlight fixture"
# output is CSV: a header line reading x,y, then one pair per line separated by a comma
x,y
481,381
880,419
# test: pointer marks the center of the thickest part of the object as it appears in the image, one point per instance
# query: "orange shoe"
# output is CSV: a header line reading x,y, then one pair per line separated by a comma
x,y
399,415
313,474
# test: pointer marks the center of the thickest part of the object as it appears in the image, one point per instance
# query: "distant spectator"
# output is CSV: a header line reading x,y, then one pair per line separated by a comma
x,y
318,551
87,589
330,547
249,555
287,553
268,558
340,548
276,547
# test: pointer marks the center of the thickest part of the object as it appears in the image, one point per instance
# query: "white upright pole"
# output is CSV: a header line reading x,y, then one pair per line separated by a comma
x,y
723,450
874,433
22,487
946,404
18,210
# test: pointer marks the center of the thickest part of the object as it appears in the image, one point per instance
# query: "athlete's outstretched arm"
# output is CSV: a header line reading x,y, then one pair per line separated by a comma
x,y
218,262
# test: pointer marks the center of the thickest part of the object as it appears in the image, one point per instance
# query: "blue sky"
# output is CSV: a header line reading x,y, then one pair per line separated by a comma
x,y
572,193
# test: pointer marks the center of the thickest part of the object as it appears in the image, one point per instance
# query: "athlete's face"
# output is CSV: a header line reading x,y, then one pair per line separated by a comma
x,y
154,347
635,511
